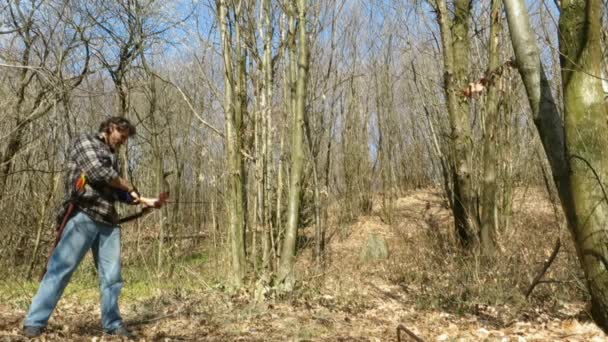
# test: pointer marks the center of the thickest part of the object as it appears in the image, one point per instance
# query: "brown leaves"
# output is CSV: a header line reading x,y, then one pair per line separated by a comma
x,y
354,301
489,79
475,88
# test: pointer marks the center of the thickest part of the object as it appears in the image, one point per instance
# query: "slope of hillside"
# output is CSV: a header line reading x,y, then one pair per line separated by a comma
x,y
425,285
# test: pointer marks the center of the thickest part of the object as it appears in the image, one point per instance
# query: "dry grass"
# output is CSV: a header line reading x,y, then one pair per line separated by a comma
x,y
428,262
427,284
429,278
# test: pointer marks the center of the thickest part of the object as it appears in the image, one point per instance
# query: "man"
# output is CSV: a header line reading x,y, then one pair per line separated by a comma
x,y
92,186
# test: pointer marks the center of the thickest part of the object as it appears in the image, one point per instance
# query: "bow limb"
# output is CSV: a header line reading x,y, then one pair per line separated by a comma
x,y
135,216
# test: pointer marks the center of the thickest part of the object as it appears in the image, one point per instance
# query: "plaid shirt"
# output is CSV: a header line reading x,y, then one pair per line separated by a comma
x,y
93,157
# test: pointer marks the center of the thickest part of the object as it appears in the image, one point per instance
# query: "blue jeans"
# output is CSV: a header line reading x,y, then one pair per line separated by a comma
x,y
80,234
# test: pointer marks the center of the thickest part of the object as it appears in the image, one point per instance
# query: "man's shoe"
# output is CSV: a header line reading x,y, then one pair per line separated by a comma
x,y
122,331
32,332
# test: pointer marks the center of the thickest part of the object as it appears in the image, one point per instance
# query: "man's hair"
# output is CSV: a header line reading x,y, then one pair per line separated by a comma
x,y
120,122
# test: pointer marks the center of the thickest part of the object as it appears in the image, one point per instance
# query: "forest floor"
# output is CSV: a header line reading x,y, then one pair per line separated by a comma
x,y
351,300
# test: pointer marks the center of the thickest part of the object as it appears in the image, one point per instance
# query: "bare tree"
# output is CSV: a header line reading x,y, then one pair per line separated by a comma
x,y
233,113
455,43
577,158
45,53
286,275
489,212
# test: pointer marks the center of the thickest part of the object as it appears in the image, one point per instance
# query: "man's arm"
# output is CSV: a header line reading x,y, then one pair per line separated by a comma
x,y
97,166
129,194
122,184
93,163
126,192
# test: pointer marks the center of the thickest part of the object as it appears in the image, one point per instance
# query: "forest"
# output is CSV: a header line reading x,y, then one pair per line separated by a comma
x,y
337,170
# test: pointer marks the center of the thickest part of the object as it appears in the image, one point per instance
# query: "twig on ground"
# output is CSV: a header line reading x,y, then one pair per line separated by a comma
x,y
411,335
153,319
558,243
178,312
548,263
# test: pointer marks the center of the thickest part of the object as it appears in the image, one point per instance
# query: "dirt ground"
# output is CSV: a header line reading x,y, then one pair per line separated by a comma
x,y
350,301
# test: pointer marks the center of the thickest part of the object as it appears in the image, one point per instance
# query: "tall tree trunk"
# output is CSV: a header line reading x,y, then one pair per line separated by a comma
x,y
236,214
286,276
162,230
158,160
544,111
489,212
262,115
586,136
386,123
54,179
578,160
240,112
455,42
317,202
267,135
258,212
122,91
286,36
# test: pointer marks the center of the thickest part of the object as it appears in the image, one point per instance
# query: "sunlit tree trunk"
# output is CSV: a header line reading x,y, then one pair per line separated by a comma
x,y
286,275
455,44
578,158
386,133
54,180
544,111
286,36
240,112
232,110
262,140
489,188
586,136
267,135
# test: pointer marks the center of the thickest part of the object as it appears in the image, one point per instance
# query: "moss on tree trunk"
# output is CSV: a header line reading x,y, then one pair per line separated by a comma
x,y
586,140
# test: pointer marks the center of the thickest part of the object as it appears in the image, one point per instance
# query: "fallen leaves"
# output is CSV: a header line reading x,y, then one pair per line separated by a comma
x,y
474,88
489,79
354,302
